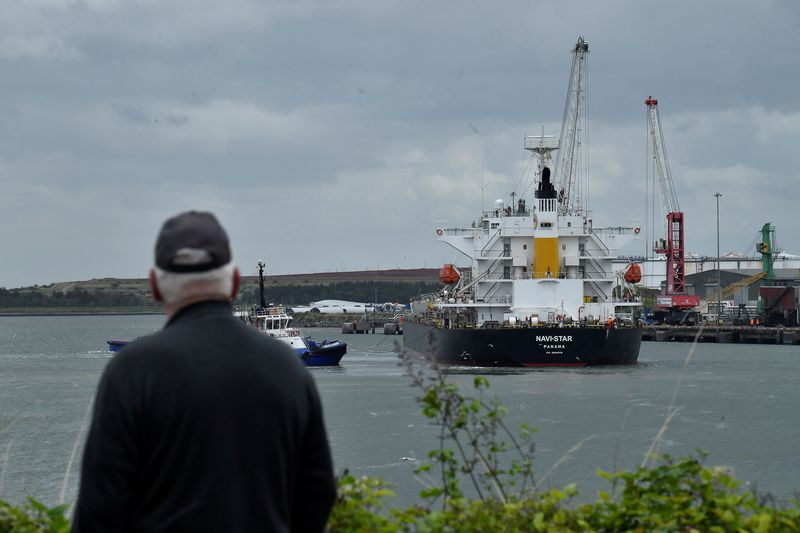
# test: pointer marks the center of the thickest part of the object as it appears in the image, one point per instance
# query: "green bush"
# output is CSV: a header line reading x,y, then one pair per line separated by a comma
x,y
684,495
33,517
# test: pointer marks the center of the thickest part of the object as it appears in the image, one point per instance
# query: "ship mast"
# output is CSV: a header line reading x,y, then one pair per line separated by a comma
x,y
262,301
568,174
541,145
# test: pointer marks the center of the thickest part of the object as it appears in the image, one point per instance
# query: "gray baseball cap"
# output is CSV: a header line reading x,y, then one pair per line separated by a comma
x,y
193,241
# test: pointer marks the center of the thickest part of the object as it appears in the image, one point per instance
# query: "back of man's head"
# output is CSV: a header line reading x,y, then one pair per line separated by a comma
x,y
193,260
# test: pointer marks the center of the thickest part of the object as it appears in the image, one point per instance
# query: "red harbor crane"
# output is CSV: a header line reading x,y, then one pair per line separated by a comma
x,y
674,305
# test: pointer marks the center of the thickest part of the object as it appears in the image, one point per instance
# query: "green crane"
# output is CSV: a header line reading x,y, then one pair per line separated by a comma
x,y
767,250
768,253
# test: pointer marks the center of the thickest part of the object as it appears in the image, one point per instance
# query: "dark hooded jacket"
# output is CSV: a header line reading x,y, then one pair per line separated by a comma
x,y
206,425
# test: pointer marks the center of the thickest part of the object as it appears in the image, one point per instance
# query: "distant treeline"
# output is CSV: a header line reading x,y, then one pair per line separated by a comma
x,y
73,298
355,291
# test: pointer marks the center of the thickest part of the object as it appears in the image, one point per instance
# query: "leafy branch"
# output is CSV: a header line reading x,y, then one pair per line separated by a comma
x,y
475,443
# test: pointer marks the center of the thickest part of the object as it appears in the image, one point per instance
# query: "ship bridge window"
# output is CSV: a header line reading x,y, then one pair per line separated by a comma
x,y
546,225
524,246
495,225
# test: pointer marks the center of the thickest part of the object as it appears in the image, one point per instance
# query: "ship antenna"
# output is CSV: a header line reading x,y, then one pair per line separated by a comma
x,y
483,178
541,145
262,301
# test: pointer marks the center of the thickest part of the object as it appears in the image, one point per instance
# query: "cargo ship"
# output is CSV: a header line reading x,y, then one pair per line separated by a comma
x,y
540,289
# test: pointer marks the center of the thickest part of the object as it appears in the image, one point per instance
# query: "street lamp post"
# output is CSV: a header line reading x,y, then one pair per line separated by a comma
x,y
719,285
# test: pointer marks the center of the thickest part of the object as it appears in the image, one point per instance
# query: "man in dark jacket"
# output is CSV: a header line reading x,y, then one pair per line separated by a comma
x,y
207,425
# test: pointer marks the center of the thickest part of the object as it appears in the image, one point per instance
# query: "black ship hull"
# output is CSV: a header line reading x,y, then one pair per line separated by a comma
x,y
526,347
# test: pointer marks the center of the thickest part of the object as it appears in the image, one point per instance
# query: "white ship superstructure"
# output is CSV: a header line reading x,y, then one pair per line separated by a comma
x,y
530,264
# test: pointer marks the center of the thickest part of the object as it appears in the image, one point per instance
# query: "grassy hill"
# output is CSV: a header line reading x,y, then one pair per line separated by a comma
x,y
133,294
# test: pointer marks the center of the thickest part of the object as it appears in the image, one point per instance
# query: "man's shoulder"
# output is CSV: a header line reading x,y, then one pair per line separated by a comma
x,y
132,355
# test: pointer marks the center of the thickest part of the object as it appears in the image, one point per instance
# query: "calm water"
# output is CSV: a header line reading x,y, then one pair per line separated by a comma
x,y
739,402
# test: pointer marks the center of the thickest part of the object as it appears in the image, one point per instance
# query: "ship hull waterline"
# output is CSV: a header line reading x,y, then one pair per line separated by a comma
x,y
539,346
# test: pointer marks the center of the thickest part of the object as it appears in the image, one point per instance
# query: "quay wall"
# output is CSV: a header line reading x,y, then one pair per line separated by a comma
x,y
723,334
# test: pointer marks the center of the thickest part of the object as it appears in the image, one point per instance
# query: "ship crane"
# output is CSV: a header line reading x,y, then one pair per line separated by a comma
x,y
570,170
675,302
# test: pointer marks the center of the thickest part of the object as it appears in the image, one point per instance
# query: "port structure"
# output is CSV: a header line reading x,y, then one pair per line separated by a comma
x,y
768,291
777,302
768,251
571,171
675,302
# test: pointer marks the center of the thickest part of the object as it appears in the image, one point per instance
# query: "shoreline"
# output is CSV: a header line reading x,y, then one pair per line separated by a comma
x,y
39,312
299,319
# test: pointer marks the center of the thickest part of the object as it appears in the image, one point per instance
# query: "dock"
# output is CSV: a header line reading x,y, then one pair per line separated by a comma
x,y
358,326
722,334
390,323
393,328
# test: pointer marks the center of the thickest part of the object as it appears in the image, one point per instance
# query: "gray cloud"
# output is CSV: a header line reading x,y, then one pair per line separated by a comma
x,y
339,135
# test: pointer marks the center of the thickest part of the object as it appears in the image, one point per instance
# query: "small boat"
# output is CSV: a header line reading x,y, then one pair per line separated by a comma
x,y
114,345
274,321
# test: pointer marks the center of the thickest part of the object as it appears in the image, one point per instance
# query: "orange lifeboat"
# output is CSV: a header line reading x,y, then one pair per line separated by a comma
x,y
449,274
633,274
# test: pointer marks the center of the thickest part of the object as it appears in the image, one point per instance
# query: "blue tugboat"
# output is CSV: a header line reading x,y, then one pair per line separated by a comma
x,y
114,345
274,321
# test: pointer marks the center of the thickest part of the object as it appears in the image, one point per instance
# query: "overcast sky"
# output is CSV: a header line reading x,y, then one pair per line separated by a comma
x,y
339,135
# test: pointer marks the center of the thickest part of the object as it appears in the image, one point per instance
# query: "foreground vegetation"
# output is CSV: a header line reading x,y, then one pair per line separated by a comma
x,y
480,477
33,517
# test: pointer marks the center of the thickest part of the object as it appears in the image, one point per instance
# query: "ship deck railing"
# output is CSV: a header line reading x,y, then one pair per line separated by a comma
x,y
507,211
613,230
268,312
456,232
599,324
